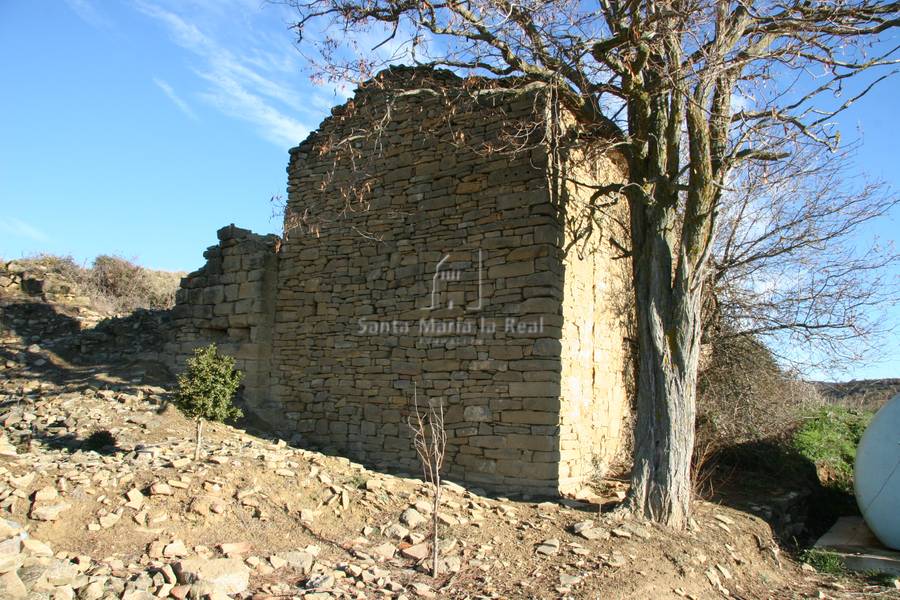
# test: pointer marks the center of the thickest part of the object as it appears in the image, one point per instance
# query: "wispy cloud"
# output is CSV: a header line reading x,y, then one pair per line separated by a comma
x,y
175,98
241,80
233,99
184,33
89,13
15,227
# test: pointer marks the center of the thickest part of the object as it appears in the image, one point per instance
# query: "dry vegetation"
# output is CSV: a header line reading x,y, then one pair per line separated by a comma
x,y
112,284
866,394
745,398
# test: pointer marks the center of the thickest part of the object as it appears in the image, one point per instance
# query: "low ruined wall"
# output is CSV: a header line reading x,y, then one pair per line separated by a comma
x,y
231,301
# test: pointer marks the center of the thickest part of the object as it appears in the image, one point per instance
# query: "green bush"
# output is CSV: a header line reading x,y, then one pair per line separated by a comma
x,y
207,387
828,438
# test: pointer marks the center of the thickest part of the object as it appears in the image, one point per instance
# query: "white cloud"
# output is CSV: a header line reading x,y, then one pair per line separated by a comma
x,y
175,98
233,99
89,13
185,34
15,227
242,79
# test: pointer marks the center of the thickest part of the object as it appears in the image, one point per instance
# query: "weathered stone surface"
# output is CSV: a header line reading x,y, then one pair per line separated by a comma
x,y
46,494
384,551
396,530
48,512
22,482
36,548
236,548
60,573
11,586
412,517
135,499
417,552
548,547
175,549
298,559
229,575
161,489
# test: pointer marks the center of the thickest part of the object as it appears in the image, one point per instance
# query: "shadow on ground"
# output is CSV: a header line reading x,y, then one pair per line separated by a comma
x,y
53,346
777,484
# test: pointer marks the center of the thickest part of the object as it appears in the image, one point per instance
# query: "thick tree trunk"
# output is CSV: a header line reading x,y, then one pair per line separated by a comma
x,y
667,319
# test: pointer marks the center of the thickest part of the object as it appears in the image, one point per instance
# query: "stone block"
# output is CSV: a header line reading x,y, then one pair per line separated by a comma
x,y
477,414
511,269
530,389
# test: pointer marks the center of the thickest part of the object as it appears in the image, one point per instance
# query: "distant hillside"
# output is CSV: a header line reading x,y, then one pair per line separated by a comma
x,y
110,286
868,394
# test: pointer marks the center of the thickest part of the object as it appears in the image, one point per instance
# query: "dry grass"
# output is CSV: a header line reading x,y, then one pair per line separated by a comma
x,y
112,283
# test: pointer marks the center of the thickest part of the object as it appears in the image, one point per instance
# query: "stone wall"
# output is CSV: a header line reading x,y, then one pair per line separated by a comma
x,y
421,264
231,301
355,284
596,312
26,279
42,302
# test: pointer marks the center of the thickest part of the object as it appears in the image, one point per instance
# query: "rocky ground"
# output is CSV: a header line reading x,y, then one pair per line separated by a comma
x,y
100,498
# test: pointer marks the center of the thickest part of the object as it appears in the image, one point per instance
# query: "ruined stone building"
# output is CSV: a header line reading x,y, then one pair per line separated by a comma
x,y
425,256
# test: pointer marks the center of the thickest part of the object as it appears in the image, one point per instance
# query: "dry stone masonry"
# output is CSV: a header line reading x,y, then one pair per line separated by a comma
x,y
231,301
426,258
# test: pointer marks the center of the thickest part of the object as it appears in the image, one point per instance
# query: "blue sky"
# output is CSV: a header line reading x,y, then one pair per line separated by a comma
x,y
139,127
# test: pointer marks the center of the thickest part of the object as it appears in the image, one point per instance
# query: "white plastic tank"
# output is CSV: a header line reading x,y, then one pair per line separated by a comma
x,y
877,474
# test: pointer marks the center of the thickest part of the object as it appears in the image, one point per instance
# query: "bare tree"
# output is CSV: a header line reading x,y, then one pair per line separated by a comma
x,y
430,441
791,264
687,91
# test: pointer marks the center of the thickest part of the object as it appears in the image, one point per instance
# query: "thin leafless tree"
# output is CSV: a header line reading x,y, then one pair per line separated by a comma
x,y
793,264
688,92
430,441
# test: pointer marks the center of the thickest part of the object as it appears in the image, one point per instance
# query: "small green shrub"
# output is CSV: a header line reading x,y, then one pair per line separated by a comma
x,y
207,387
828,438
